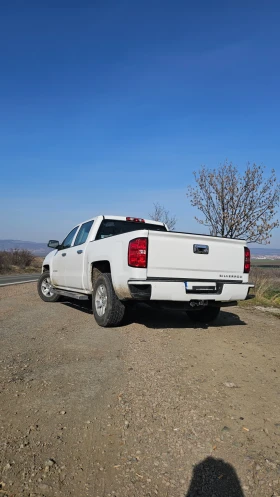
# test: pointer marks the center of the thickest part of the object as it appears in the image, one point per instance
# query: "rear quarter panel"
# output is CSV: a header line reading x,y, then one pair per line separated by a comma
x,y
115,250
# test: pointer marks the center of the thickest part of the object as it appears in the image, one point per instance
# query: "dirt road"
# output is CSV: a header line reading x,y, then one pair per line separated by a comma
x,y
156,407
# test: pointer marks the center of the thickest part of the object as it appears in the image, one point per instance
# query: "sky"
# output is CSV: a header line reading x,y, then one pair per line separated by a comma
x,y
107,108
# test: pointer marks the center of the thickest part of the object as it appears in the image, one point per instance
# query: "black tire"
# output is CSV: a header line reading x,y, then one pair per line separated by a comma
x,y
114,309
53,296
205,315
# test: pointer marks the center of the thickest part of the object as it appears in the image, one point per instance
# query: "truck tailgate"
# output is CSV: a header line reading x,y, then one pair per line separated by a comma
x,y
198,257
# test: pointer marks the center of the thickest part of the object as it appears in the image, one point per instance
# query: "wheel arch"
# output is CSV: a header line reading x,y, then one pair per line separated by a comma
x,y
97,268
104,266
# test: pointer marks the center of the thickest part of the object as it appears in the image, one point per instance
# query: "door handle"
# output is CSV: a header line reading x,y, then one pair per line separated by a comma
x,y
79,251
64,254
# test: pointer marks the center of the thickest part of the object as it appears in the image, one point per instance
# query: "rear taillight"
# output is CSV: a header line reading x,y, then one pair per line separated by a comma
x,y
247,261
137,252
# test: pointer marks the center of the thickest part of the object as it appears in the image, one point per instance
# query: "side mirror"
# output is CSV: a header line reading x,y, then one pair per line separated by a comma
x,y
53,244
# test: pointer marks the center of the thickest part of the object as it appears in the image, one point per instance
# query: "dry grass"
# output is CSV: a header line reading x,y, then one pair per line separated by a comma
x,y
267,286
19,261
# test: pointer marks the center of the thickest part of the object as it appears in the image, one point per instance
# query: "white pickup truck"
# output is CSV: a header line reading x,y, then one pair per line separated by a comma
x,y
119,260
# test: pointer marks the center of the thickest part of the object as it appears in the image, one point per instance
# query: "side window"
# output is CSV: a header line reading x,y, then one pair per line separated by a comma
x,y
69,239
83,233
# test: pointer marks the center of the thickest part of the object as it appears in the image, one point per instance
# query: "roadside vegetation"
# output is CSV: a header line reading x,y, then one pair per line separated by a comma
x,y
267,286
19,261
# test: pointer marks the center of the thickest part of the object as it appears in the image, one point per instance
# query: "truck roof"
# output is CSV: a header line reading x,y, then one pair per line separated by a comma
x,y
121,218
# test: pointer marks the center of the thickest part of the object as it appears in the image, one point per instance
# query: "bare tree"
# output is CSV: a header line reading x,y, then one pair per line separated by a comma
x,y
161,214
17,257
237,205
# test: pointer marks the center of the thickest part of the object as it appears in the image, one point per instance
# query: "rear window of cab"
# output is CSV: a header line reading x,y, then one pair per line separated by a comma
x,y
112,227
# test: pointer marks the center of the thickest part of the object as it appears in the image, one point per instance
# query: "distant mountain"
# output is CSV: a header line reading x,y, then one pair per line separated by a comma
x,y
39,249
264,252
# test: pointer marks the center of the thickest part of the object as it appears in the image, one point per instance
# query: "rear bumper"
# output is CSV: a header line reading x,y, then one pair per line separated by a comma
x,y
175,291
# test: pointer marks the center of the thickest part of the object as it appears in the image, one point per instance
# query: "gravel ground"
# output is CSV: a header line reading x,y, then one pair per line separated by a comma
x,y
156,407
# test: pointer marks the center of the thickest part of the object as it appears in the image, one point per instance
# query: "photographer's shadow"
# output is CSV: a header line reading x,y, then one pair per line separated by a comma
x,y
214,478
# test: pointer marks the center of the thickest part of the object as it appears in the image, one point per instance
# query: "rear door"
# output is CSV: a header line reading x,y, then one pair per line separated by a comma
x,y
75,263
197,257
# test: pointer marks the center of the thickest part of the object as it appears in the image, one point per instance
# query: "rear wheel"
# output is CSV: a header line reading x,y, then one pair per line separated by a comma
x,y
45,289
108,310
205,315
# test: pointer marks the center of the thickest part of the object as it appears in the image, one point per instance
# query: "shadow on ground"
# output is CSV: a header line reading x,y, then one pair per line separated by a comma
x,y
214,478
160,318
80,305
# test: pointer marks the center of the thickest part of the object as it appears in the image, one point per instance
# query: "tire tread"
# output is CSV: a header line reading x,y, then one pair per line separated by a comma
x,y
115,308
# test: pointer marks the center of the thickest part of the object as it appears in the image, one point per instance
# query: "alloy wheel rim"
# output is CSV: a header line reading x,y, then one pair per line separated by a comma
x,y
101,300
46,288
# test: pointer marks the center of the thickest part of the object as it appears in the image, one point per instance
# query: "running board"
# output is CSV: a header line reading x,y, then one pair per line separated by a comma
x,y
73,295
